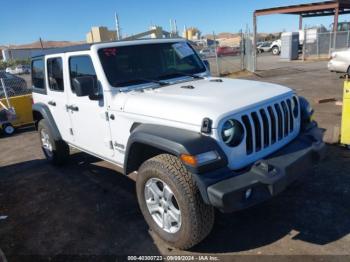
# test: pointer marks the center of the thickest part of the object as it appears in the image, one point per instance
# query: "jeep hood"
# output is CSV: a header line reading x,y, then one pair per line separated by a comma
x,y
190,102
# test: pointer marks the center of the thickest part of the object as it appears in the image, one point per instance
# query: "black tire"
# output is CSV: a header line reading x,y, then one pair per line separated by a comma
x,y
60,150
8,129
197,218
275,50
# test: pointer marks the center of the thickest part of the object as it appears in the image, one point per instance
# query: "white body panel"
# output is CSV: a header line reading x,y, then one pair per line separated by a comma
x,y
340,61
170,105
57,102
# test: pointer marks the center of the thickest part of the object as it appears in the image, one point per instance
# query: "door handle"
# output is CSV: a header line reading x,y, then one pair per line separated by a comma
x,y
72,107
52,103
112,117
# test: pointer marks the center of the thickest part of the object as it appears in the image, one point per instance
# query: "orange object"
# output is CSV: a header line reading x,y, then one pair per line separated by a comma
x,y
189,160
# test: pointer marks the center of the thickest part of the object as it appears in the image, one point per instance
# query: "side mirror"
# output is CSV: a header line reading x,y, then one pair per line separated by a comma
x,y
206,62
86,86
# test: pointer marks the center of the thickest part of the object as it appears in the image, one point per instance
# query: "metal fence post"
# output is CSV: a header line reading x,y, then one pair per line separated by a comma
x,y
330,44
5,92
304,45
216,54
242,49
317,44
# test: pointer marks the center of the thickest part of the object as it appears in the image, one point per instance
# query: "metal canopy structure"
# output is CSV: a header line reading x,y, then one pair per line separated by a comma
x,y
328,8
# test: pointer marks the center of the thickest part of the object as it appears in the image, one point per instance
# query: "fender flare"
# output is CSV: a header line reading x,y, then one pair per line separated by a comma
x,y
175,141
46,114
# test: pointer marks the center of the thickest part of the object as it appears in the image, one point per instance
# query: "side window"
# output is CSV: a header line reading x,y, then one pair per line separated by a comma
x,y
81,66
38,74
55,74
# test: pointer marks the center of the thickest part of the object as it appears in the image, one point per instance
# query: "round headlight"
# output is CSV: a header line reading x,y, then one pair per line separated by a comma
x,y
306,109
232,132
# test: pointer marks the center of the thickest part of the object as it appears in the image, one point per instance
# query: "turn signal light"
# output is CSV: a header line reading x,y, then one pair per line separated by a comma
x,y
189,160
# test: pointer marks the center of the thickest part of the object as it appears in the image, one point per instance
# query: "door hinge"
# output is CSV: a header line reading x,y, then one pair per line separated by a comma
x,y
107,117
71,131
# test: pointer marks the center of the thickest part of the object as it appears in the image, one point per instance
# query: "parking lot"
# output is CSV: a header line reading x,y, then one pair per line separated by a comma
x,y
87,208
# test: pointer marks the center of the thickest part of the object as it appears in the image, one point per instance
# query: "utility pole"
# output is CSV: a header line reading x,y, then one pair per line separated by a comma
x,y
41,43
171,28
117,27
175,28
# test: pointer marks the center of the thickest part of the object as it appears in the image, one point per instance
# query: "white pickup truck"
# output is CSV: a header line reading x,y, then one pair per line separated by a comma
x,y
196,142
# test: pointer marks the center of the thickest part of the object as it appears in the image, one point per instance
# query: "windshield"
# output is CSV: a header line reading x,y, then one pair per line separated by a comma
x,y
137,64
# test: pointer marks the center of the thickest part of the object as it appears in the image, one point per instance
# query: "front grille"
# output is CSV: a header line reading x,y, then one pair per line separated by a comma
x,y
269,125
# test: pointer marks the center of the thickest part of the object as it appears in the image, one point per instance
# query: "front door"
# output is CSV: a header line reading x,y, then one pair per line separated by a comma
x,y
91,129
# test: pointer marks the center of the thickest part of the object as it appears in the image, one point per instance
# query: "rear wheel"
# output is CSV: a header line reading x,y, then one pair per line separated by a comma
x,y
171,203
56,151
8,129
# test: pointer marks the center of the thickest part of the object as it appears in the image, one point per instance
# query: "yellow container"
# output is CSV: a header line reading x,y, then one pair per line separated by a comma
x,y
345,123
23,108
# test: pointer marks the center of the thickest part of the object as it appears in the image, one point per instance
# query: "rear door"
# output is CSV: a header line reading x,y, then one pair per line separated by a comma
x,y
57,95
88,115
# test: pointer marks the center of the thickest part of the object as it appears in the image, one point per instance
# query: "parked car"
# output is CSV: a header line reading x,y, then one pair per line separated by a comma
x,y
196,142
207,52
22,69
227,51
14,85
10,70
264,47
276,47
340,62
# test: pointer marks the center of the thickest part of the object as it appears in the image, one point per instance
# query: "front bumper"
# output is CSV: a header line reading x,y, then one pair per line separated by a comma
x,y
337,66
266,177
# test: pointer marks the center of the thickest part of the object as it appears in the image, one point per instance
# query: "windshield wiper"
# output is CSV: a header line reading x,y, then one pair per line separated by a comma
x,y
179,73
141,81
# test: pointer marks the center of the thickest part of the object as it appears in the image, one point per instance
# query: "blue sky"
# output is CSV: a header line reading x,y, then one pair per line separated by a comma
x,y
25,21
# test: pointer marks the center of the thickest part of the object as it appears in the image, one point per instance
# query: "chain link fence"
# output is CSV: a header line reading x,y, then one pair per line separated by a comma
x,y
321,45
227,58
13,85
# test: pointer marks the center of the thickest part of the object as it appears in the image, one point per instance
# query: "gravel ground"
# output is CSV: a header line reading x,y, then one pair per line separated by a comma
x,y
87,208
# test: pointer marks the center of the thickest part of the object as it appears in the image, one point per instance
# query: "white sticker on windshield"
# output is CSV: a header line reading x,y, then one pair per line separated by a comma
x,y
182,50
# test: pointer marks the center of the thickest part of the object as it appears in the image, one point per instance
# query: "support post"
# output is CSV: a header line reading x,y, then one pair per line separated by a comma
x,y
336,17
300,22
254,43
335,28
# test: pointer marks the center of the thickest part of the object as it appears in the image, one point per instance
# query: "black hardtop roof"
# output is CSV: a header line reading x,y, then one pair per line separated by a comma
x,y
59,50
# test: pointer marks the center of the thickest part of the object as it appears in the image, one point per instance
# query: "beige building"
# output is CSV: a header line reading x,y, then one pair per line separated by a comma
x,y
191,33
100,34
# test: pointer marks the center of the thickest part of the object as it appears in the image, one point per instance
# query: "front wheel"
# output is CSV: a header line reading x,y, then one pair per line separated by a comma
x,y
171,203
275,50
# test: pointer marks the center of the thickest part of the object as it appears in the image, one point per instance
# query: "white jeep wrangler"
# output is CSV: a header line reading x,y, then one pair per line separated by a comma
x,y
196,142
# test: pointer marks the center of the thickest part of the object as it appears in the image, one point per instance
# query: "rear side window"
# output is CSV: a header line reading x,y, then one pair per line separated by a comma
x,y
38,74
81,66
55,74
